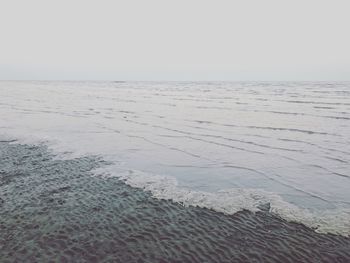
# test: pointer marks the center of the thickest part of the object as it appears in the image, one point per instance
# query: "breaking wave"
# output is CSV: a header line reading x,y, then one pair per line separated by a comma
x,y
231,201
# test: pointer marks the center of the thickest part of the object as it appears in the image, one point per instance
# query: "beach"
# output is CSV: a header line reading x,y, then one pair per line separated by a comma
x,y
57,210
174,171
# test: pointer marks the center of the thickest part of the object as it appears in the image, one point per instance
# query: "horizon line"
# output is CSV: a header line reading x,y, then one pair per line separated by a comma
x,y
108,80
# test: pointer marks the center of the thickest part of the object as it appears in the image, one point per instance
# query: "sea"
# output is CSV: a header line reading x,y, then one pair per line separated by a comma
x,y
120,171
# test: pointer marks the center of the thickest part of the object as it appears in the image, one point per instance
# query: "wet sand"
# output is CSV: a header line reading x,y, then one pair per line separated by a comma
x,y
56,210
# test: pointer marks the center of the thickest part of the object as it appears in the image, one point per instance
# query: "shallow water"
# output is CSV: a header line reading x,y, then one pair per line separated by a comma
x,y
220,145
59,211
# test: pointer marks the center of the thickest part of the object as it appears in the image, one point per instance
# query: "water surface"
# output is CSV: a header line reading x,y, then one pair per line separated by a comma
x,y
221,145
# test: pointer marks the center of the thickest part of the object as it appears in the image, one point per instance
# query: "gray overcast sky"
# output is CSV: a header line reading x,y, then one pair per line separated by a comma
x,y
175,40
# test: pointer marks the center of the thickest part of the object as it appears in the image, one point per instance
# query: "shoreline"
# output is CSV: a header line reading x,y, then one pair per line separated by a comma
x,y
57,209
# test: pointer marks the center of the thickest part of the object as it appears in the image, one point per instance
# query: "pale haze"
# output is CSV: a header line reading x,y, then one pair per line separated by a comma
x,y
175,131
175,40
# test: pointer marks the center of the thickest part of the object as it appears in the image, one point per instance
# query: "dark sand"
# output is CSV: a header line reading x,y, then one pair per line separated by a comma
x,y
53,210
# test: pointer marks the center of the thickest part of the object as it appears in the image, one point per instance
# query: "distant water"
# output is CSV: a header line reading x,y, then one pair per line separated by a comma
x,y
218,145
58,211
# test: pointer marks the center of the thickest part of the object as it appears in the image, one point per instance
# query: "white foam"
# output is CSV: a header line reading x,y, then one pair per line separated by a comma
x,y
231,201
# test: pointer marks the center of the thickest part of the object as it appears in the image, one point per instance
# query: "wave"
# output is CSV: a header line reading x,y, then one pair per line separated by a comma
x,y
231,201
227,201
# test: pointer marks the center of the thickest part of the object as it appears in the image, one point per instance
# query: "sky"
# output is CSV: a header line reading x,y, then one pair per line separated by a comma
x,y
175,40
